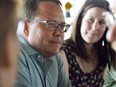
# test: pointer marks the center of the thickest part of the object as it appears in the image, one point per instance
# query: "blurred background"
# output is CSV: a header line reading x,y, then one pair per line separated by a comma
x,y
70,9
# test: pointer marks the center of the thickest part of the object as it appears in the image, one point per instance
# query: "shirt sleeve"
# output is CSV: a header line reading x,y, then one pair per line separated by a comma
x,y
22,75
63,79
110,78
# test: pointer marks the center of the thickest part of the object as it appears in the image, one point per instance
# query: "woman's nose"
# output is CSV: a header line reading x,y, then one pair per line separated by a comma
x,y
95,26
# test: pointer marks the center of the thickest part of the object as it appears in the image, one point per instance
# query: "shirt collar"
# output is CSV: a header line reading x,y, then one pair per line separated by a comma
x,y
29,49
26,46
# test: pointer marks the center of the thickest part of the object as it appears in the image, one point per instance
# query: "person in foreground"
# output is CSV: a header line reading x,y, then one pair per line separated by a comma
x,y
85,54
39,65
8,26
110,77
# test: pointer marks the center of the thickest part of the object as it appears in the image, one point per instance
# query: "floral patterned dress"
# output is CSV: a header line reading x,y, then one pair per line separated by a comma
x,y
78,77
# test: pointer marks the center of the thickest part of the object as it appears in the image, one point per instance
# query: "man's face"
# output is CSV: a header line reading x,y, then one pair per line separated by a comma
x,y
47,42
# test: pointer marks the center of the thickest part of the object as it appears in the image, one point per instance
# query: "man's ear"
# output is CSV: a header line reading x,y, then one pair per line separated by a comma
x,y
26,28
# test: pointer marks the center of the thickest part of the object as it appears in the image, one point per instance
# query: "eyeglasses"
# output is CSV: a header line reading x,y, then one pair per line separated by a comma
x,y
53,25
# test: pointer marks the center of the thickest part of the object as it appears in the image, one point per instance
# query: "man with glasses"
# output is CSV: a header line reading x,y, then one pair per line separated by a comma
x,y
39,64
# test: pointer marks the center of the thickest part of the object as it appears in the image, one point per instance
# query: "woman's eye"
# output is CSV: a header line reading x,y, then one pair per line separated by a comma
x,y
102,22
91,20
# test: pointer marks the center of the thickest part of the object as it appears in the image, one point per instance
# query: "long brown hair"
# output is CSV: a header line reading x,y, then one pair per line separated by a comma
x,y
76,40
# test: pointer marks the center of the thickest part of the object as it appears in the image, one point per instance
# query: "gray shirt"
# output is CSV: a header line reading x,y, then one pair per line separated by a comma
x,y
34,71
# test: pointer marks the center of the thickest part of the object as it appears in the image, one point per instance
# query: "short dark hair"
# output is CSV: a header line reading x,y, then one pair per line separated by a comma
x,y
29,8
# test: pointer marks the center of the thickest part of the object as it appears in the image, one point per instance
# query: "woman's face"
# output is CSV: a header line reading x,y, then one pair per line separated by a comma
x,y
93,25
